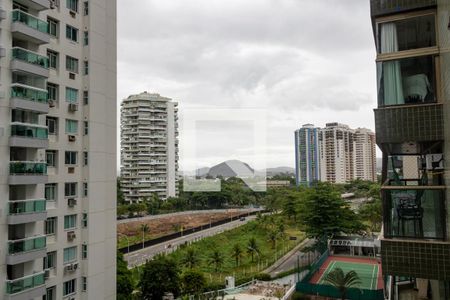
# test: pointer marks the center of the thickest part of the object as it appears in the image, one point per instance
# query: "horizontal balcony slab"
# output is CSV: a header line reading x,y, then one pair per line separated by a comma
x,y
26,218
35,4
35,69
26,33
31,293
25,256
25,142
27,179
18,103
386,7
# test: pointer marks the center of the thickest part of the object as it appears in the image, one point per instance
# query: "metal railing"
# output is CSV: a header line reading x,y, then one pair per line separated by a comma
x,y
29,93
28,282
29,131
30,57
30,21
26,206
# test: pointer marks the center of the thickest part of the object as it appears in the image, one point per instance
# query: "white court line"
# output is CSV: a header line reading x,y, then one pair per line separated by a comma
x,y
324,272
371,281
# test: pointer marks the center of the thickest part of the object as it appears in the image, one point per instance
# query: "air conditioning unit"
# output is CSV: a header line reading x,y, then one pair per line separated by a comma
x,y
72,138
73,13
71,235
73,107
434,161
71,202
75,266
51,103
54,4
71,170
71,75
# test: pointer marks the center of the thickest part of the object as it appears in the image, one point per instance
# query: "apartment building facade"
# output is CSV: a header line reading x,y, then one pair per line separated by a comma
x,y
149,147
58,149
307,155
413,131
364,154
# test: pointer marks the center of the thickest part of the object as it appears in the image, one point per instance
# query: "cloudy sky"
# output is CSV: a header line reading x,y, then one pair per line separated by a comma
x,y
302,61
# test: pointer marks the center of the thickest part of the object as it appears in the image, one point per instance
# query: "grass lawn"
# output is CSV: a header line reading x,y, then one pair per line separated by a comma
x,y
225,242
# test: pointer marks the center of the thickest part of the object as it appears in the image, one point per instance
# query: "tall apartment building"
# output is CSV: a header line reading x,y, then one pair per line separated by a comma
x,y
364,154
57,149
336,149
149,149
413,131
336,154
307,155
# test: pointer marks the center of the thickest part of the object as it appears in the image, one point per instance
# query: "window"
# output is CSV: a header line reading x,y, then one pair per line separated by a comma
x,y
71,158
70,189
86,67
71,64
84,251
69,287
71,95
53,59
72,5
85,189
85,220
84,284
86,127
85,97
72,33
70,254
53,27
50,226
86,38
86,8
50,294
52,90
71,126
50,260
70,222
85,158
51,158
50,191
52,124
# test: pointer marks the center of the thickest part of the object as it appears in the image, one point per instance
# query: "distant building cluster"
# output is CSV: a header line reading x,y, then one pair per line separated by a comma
x,y
336,154
149,148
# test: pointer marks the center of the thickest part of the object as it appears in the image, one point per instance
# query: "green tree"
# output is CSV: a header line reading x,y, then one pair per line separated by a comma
x,y
324,213
144,228
237,254
120,198
193,282
342,281
272,236
159,276
252,247
216,259
124,284
371,213
190,259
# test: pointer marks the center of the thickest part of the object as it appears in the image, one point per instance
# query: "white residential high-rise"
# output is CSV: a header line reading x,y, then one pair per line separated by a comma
x,y
307,155
364,154
58,149
149,149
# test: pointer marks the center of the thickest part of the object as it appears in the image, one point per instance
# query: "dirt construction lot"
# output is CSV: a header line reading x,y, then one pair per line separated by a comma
x,y
170,224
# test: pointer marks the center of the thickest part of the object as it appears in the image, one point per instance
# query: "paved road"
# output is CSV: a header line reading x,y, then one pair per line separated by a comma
x,y
139,257
291,262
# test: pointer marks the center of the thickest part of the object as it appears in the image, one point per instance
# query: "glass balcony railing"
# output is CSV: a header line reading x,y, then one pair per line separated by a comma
x,y
30,57
27,245
24,283
30,21
27,206
29,131
414,212
30,94
27,168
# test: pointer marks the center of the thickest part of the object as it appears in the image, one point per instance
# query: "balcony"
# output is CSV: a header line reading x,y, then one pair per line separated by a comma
x,y
26,211
385,7
25,61
414,212
35,4
29,28
28,287
27,172
28,136
406,123
29,98
20,251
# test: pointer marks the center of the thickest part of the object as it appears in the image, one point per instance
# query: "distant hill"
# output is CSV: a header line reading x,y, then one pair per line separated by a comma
x,y
280,171
231,168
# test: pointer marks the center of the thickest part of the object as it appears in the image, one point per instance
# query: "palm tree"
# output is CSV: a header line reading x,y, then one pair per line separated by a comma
x,y
273,238
252,247
216,259
190,259
237,253
342,281
144,228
